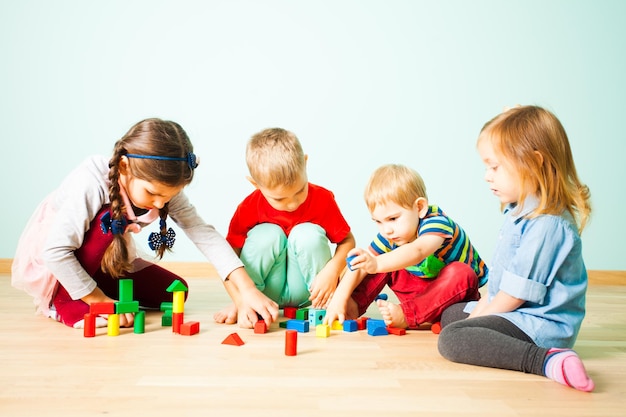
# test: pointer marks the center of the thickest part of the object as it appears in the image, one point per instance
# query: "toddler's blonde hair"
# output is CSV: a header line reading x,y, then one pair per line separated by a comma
x,y
394,183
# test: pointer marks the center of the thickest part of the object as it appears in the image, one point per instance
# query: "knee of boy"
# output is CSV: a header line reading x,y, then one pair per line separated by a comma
x,y
308,237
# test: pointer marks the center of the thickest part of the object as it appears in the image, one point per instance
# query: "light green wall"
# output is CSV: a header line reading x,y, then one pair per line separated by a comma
x,y
361,83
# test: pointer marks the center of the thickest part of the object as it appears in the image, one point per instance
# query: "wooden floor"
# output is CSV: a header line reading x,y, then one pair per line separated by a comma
x,y
50,370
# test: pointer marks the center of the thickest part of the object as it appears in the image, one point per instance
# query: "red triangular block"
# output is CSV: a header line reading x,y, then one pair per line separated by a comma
x,y
233,339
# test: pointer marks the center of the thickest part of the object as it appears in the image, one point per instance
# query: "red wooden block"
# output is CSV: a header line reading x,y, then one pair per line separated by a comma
x,y
190,328
260,327
102,308
90,325
361,323
397,331
177,321
291,342
233,339
290,312
436,328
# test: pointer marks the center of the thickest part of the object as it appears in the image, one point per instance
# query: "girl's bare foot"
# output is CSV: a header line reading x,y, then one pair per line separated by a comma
x,y
392,314
227,315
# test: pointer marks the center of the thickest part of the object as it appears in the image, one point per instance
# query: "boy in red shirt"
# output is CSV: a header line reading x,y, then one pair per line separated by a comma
x,y
283,231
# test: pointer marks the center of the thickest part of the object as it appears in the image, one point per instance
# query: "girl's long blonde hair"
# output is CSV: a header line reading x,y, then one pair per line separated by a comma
x,y
533,142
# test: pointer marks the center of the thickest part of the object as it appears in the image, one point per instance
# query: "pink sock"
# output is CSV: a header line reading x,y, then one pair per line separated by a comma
x,y
565,367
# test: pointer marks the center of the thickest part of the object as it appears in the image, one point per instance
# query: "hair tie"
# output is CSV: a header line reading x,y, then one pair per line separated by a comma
x,y
156,239
117,227
191,158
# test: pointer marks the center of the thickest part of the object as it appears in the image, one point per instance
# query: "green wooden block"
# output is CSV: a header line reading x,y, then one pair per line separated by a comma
x,y
126,289
140,322
126,307
166,319
302,314
167,305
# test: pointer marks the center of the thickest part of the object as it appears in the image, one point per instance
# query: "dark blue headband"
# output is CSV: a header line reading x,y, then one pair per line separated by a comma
x,y
191,158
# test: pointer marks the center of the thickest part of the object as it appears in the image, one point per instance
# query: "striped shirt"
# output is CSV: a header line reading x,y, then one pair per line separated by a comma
x,y
456,247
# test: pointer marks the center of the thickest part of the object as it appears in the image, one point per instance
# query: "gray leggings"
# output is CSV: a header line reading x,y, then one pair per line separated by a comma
x,y
490,341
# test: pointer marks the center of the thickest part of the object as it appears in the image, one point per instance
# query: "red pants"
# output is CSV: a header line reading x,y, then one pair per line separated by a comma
x,y
149,284
422,300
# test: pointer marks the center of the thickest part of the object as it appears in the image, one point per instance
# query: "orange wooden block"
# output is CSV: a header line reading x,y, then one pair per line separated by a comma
x,y
291,342
233,339
190,328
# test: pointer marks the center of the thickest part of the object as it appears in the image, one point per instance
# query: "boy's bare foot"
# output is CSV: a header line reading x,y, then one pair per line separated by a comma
x,y
227,315
392,314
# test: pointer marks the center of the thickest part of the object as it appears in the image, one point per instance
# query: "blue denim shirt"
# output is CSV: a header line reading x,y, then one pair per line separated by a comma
x,y
540,260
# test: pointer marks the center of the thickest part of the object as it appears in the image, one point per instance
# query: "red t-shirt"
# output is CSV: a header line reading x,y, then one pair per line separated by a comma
x,y
319,208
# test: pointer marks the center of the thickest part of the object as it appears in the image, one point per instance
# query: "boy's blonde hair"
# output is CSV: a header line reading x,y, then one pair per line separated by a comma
x,y
533,142
394,183
274,157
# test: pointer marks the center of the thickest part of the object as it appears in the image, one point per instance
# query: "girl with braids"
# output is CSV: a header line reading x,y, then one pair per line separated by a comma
x,y
78,242
535,305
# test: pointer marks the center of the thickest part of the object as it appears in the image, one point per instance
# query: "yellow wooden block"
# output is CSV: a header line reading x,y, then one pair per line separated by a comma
x,y
322,330
337,325
113,325
178,304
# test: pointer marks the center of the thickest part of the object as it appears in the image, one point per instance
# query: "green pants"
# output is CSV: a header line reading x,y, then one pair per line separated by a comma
x,y
284,267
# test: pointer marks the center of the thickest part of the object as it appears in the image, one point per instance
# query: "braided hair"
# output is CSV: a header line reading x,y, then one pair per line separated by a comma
x,y
153,136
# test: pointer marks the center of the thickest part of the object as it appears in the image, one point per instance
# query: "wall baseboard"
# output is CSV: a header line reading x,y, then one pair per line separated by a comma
x,y
205,269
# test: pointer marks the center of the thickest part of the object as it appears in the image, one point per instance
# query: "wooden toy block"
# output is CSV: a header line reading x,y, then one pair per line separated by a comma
x,y
126,307
337,325
290,312
89,329
436,328
177,321
322,330
102,308
260,327
301,326
113,325
377,331
140,322
166,318
376,327
177,285
291,343
361,323
126,289
302,314
396,330
166,305
233,339
178,305
381,296
283,324
350,326
316,316
190,328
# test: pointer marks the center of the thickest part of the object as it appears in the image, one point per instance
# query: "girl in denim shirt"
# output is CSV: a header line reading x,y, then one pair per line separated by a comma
x,y
535,304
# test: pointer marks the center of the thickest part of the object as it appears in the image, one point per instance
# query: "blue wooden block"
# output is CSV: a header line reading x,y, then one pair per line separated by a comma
x,y
381,296
302,326
350,326
377,331
371,323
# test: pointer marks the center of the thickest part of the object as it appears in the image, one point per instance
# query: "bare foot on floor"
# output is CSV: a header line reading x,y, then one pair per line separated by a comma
x,y
227,315
392,314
